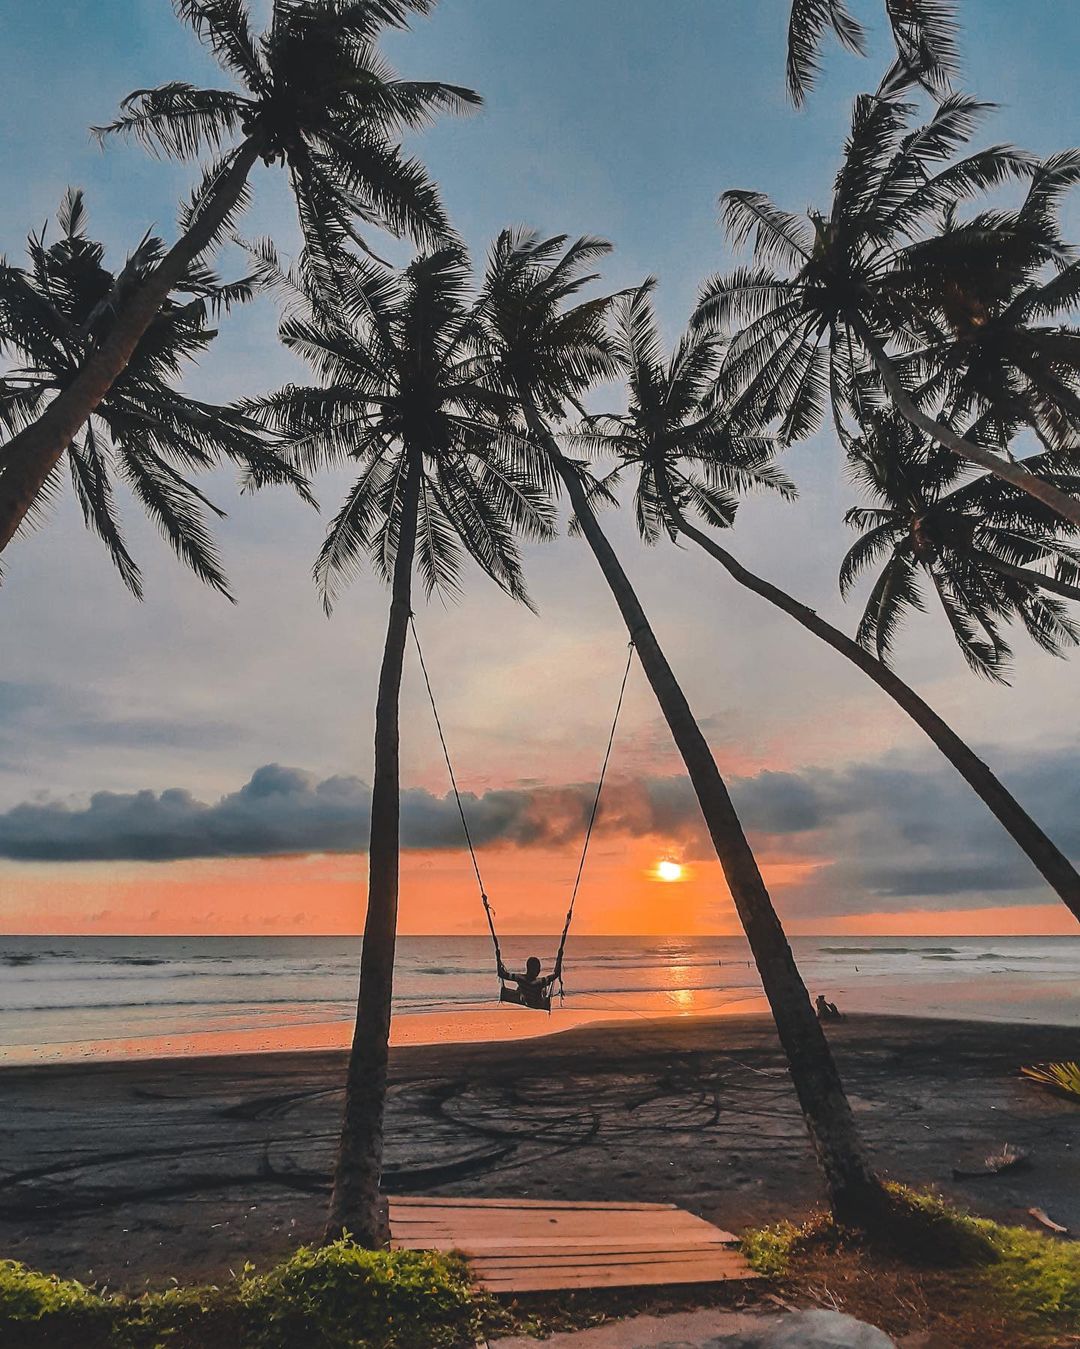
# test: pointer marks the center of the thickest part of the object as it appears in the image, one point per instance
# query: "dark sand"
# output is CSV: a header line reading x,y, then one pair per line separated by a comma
x,y
127,1172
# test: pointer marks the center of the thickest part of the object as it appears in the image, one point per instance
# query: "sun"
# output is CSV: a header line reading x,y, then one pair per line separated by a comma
x,y
668,870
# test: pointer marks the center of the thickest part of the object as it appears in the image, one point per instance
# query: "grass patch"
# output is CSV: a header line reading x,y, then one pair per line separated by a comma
x,y
974,1279
338,1297
1033,1273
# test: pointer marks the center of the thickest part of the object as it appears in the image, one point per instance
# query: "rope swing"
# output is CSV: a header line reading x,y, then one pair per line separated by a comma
x,y
489,912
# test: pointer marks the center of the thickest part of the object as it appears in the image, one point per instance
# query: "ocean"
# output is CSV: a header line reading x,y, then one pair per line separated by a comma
x,y
73,997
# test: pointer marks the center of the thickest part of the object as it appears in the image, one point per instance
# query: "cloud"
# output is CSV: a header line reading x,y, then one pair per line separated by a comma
x,y
886,835
907,832
288,811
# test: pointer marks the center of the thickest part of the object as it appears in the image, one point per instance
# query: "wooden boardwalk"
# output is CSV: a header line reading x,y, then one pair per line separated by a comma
x,y
532,1245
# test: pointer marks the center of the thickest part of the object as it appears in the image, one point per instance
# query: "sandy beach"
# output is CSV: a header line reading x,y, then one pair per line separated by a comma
x,y
484,1026
128,1172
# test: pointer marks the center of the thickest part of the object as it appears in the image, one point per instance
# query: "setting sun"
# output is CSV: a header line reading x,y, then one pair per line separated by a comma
x,y
669,871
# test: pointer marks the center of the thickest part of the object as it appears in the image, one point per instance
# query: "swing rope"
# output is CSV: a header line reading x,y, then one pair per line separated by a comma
x,y
592,818
488,910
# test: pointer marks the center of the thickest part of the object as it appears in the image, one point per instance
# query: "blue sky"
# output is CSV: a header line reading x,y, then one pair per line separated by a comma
x,y
624,118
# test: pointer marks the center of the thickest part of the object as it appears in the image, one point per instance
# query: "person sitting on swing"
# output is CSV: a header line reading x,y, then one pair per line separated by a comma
x,y
532,990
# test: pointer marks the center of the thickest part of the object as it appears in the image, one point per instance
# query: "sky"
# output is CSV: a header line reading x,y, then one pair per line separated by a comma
x,y
186,766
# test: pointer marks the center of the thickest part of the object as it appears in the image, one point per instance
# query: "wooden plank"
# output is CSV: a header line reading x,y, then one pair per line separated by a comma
x,y
605,1259
426,1201
537,1245
619,1276
580,1245
506,1220
467,1237
481,1241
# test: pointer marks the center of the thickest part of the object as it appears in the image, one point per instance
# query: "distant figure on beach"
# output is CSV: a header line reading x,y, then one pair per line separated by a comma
x,y
532,990
827,1011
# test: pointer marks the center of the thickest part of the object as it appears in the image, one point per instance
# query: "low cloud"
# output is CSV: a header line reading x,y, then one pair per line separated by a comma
x,y
889,834
288,811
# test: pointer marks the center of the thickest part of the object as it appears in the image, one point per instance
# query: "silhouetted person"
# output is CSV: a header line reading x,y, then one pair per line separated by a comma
x,y
827,1011
532,990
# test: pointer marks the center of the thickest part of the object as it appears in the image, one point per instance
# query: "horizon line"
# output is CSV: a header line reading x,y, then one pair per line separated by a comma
x,y
593,936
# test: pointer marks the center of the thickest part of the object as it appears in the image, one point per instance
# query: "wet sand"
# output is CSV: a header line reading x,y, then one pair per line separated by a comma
x,y
137,1171
480,1026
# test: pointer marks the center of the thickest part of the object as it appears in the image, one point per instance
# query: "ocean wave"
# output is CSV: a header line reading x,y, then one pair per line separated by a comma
x,y
179,1002
162,979
962,957
1000,955
887,950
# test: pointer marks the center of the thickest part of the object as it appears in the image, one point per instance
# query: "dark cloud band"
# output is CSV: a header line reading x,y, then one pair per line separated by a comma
x,y
885,834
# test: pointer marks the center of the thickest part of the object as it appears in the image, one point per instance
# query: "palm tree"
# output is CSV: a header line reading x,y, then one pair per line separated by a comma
x,y
1004,358
923,31
977,544
862,278
404,397
144,431
317,98
549,351
689,457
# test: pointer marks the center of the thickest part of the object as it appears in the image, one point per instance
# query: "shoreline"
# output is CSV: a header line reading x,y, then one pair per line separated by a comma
x,y
487,1024
483,1024
132,1171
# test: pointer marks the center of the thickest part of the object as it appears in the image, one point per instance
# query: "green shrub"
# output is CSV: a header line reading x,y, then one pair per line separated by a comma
x,y
768,1249
341,1296
28,1296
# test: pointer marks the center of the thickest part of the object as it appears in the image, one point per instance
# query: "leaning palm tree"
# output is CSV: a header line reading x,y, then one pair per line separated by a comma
x,y
403,396
976,545
317,98
923,32
855,282
549,351
144,432
691,459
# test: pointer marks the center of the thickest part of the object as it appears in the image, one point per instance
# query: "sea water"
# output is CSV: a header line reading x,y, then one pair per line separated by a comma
x,y
62,996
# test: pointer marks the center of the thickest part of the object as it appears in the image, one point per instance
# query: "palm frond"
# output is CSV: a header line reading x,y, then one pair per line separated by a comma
x,y
1063,1078
178,120
94,492
808,24
776,236
176,507
923,33
226,26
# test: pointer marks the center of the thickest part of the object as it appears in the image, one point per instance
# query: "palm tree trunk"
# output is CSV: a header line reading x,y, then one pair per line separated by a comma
x,y
1049,860
29,457
1066,506
356,1205
855,1193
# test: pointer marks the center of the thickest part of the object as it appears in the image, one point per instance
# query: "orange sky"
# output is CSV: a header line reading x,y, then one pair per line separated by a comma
x,y
620,895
